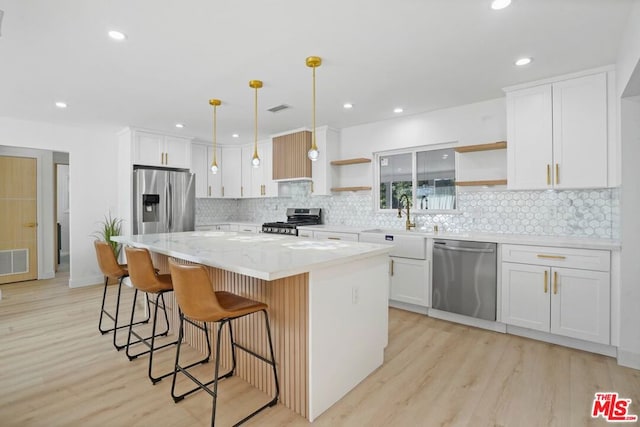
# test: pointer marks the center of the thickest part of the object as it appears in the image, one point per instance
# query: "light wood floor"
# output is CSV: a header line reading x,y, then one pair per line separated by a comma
x,y
57,370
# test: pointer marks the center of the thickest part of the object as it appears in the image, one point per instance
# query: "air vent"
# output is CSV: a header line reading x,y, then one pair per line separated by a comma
x,y
14,261
278,108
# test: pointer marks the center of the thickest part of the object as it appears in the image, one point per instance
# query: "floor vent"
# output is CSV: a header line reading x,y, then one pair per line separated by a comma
x,y
15,261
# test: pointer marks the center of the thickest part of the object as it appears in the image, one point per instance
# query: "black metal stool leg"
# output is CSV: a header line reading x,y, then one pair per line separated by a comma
x,y
104,297
215,378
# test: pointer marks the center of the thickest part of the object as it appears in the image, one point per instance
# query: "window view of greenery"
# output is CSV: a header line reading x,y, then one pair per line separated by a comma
x,y
395,179
433,180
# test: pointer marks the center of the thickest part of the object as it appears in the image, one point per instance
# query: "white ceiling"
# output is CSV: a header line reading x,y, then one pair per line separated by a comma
x,y
421,55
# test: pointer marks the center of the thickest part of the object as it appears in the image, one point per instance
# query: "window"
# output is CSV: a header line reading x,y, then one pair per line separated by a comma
x,y
426,176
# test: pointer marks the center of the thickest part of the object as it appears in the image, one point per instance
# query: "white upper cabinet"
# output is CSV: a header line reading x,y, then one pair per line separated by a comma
x,y
154,149
258,182
327,140
208,184
231,167
558,134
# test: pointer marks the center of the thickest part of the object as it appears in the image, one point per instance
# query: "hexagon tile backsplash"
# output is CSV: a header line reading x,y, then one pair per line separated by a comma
x,y
568,213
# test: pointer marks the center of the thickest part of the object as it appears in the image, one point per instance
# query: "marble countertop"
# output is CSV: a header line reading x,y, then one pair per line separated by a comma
x,y
522,239
264,256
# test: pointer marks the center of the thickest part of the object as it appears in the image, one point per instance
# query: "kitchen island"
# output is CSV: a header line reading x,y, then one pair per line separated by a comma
x,y
327,302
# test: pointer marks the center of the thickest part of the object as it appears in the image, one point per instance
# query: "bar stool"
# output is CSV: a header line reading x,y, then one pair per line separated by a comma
x,y
198,302
111,270
146,279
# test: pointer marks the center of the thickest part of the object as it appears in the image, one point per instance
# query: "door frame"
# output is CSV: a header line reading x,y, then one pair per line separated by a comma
x,y
45,234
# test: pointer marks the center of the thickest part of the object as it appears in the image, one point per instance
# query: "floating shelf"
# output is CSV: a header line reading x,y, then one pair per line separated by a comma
x,y
350,188
482,182
481,147
350,161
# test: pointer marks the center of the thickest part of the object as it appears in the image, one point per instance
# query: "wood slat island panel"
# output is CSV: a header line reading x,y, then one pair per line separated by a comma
x,y
288,312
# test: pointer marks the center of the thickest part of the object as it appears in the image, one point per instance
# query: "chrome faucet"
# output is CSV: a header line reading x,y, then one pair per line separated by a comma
x,y
407,204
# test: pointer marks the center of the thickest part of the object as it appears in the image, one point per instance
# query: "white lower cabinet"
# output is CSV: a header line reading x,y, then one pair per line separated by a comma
x,y
332,235
548,295
216,227
409,281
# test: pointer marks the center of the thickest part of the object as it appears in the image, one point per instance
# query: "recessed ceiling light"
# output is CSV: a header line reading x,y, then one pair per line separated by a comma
x,y
398,110
347,106
117,35
61,104
523,61
500,4
444,156
235,135
179,125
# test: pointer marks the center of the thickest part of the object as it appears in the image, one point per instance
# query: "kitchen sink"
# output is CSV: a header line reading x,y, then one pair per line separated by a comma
x,y
407,244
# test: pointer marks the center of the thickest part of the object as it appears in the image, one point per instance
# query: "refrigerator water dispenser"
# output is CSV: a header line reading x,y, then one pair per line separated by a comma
x,y
150,204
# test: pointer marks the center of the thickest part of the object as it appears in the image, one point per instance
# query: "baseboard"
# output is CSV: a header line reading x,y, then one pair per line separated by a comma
x,y
628,359
592,347
86,281
466,320
408,307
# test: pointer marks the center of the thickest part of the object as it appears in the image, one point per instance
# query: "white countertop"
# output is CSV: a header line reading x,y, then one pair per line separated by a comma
x,y
333,228
264,256
229,223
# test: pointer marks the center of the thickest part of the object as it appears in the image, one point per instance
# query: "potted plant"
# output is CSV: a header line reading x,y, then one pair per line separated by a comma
x,y
110,226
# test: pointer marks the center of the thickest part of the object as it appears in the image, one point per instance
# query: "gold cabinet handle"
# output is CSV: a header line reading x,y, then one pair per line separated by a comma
x,y
392,267
551,256
336,238
209,191
555,282
557,173
166,158
546,280
548,174
223,191
30,224
312,186
241,191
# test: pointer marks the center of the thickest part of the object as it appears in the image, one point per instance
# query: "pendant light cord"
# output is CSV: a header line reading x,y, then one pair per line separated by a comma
x,y
255,125
313,124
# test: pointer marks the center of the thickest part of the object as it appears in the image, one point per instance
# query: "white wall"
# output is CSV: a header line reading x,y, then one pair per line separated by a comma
x,y
627,68
92,177
471,124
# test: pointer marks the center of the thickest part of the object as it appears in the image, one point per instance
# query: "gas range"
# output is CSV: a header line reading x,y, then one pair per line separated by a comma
x,y
295,217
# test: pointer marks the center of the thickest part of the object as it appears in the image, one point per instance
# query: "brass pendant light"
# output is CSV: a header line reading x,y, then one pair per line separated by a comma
x,y
255,161
214,162
313,62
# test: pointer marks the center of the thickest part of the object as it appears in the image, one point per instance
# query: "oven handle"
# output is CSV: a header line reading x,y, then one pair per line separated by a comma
x,y
455,249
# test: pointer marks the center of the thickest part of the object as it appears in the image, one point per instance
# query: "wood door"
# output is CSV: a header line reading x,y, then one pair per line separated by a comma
x,y
289,156
18,226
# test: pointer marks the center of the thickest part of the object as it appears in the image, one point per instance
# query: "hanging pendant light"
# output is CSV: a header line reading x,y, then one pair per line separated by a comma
x,y
255,161
214,162
313,62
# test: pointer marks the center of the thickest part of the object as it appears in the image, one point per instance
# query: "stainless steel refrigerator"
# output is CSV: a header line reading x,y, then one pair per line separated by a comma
x,y
164,200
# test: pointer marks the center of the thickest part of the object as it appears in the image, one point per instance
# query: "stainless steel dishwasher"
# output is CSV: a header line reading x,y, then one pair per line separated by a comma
x,y
464,278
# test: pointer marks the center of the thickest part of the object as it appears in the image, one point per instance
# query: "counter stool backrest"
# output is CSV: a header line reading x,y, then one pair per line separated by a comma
x,y
143,275
194,293
107,260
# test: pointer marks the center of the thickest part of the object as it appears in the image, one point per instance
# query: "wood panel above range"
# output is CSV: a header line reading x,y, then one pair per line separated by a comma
x,y
290,159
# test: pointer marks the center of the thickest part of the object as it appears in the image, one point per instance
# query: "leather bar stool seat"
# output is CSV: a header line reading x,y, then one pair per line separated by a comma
x,y
198,302
146,279
111,270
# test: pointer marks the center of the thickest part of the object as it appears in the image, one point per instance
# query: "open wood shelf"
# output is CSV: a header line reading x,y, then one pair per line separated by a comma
x,y
350,161
350,188
481,147
482,182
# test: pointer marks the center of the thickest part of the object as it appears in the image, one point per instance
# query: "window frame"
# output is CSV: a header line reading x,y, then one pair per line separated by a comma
x,y
414,177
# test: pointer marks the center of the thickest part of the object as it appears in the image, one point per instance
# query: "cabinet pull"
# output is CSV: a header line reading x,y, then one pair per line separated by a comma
x,y
392,267
557,173
333,238
209,191
555,282
548,174
551,256
241,191
166,158
223,191
312,186
162,158
546,280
